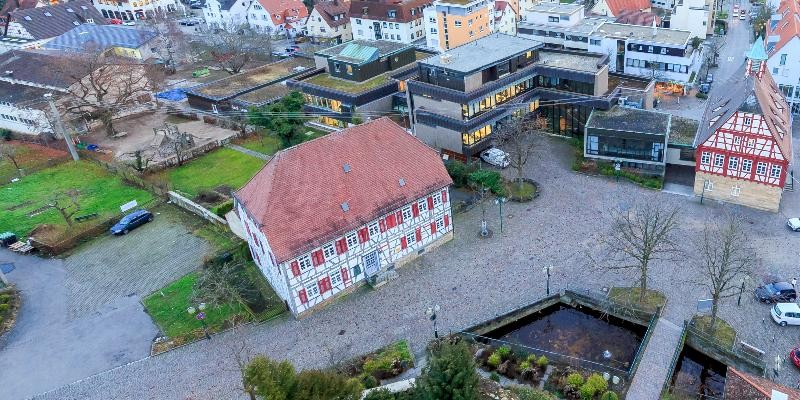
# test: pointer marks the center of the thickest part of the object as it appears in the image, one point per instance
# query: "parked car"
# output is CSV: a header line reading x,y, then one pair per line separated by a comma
x,y
705,88
496,157
786,314
794,354
129,23
778,292
742,17
189,22
131,221
794,224
710,78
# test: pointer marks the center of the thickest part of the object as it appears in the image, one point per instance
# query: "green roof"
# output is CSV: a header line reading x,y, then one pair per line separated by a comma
x,y
757,52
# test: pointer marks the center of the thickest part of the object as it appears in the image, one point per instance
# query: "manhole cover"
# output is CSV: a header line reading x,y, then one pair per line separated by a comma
x,y
6,267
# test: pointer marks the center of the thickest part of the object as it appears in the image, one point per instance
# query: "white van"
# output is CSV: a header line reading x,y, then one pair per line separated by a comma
x,y
786,314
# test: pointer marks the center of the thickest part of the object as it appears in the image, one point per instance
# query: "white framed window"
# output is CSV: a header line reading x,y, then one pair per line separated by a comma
x,y
352,240
312,290
705,158
411,238
304,262
328,250
748,120
458,23
719,160
733,163
747,165
373,229
737,140
775,172
708,186
761,168
437,199
439,224
407,213
423,205
336,278
736,191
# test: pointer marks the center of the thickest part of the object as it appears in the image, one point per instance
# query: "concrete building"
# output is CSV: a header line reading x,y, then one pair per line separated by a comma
x,y
329,23
695,16
325,216
451,23
397,21
783,49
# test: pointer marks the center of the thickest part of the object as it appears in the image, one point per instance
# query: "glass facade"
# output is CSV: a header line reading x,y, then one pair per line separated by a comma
x,y
498,97
626,148
333,105
470,138
566,119
566,85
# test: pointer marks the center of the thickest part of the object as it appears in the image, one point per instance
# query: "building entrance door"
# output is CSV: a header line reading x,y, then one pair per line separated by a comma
x,y
372,264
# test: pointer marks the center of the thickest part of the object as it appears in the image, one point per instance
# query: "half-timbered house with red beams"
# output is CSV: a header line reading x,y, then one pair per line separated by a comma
x,y
744,142
327,215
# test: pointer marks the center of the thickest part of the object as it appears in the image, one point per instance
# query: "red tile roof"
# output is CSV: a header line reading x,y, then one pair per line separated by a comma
x,y
789,25
636,17
297,197
743,386
618,6
283,11
329,9
379,9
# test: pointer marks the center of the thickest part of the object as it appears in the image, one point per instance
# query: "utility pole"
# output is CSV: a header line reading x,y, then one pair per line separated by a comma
x,y
59,127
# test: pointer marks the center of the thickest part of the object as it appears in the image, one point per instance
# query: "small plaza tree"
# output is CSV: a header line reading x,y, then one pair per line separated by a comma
x,y
519,137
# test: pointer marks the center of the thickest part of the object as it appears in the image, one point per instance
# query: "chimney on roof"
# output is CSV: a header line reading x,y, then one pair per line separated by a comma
x,y
9,73
655,29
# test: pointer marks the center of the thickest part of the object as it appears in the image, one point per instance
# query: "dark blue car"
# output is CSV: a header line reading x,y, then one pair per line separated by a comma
x,y
131,221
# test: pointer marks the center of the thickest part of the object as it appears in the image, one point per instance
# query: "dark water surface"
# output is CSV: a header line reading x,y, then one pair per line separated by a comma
x,y
698,376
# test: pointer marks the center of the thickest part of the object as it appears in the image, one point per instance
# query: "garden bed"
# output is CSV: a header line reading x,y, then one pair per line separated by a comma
x,y
10,302
528,191
629,296
385,363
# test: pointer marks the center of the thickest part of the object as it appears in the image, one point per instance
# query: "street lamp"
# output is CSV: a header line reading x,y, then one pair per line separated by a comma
x,y
547,271
431,313
200,314
617,168
499,201
741,290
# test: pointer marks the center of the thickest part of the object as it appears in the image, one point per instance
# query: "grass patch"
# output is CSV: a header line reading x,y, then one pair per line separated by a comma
x,y
100,192
630,296
384,363
266,144
168,307
31,158
270,305
219,237
517,192
724,335
219,167
348,86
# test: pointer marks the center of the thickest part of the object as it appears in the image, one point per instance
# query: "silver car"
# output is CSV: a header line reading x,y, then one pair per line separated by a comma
x,y
496,157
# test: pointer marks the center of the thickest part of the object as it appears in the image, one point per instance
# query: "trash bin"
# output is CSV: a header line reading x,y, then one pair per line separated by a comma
x,y
7,239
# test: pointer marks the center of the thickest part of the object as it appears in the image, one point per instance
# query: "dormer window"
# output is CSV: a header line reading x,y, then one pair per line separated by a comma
x,y
90,20
27,18
69,10
84,8
47,14
748,120
392,13
364,10
76,23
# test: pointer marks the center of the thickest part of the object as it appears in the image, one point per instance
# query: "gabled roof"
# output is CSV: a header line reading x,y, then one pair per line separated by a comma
x,y
618,6
297,198
51,21
34,68
14,5
748,93
284,11
757,51
743,386
101,37
784,25
328,10
379,9
227,4
637,17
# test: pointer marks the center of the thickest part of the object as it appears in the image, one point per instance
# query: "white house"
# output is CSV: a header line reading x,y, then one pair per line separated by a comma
x,y
327,215
22,109
32,27
134,9
397,21
505,18
226,14
329,23
693,16
783,49
285,17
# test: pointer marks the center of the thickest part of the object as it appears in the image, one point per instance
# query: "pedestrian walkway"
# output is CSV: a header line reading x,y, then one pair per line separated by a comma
x,y
249,152
653,370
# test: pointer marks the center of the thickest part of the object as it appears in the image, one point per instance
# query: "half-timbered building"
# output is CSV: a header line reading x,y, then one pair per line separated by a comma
x,y
327,215
744,142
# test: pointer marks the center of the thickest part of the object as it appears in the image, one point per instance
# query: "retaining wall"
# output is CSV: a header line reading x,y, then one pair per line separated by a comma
x,y
195,208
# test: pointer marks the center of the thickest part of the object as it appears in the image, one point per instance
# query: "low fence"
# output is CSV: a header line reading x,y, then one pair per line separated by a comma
x,y
675,356
195,208
643,344
729,354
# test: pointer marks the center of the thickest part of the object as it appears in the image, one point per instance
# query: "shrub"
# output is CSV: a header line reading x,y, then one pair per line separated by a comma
x,y
701,95
266,377
382,394
587,391
4,298
598,383
531,358
369,381
494,376
574,379
459,172
524,365
221,209
494,360
450,374
529,393
314,384
504,352
4,308
542,362
1,319
609,396
488,179
5,134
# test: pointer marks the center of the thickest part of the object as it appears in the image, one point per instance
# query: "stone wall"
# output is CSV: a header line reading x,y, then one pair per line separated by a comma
x,y
751,194
195,208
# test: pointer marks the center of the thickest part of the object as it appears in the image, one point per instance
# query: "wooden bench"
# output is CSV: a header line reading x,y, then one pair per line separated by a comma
x,y
750,349
21,247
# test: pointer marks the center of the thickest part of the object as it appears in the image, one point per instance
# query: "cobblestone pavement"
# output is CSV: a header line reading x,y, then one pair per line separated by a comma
x,y
135,264
473,280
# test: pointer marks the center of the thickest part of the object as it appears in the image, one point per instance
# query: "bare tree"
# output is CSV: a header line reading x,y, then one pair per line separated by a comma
x,y
223,284
726,257
141,159
519,137
66,203
172,44
103,85
10,153
638,237
234,50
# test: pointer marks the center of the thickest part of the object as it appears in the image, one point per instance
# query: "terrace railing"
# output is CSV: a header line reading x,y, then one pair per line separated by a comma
x,y
643,344
674,362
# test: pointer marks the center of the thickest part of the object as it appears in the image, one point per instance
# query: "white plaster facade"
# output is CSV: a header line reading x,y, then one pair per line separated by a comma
x,y
134,9
217,17
23,120
401,32
318,29
784,65
693,16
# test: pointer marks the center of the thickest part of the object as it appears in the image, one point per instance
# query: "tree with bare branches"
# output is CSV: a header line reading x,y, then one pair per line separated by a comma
x,y
10,153
66,203
638,237
725,257
519,137
234,50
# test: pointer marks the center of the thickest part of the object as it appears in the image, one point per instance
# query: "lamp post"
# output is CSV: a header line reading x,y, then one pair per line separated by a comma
x,y
431,313
547,271
200,314
499,201
617,168
741,291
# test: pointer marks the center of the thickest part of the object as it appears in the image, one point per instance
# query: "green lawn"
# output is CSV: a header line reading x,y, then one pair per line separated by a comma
x,y
723,334
100,192
30,157
266,144
348,86
168,308
219,167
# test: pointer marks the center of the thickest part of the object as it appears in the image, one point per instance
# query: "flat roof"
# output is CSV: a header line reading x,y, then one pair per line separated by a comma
x,y
352,87
264,94
626,119
645,33
555,7
682,131
482,52
585,26
384,47
234,84
575,62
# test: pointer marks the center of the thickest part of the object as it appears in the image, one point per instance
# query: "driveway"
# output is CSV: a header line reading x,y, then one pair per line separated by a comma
x,y
82,315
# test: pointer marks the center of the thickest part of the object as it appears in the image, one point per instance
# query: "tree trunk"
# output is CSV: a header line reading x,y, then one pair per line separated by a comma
x,y
643,284
106,117
712,326
13,161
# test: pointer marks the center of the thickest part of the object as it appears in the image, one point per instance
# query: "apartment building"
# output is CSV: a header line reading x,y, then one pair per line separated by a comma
x,y
783,49
451,23
397,21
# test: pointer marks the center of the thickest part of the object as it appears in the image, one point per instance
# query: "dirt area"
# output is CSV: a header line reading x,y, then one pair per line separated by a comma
x,y
139,133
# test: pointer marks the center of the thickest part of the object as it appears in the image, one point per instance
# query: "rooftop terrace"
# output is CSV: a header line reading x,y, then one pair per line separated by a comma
x,y
328,81
575,62
555,7
243,81
264,94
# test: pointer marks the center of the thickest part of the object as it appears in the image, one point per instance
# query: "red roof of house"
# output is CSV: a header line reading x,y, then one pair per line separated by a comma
x,y
743,386
788,27
329,9
379,9
297,198
283,11
636,17
618,6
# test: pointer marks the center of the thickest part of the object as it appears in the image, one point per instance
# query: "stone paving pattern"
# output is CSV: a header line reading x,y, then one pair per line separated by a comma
x,y
653,369
474,279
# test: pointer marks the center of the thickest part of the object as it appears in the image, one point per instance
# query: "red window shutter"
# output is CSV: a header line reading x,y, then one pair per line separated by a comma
x,y
345,275
382,225
303,296
363,235
433,227
446,220
391,221
444,196
295,268
324,285
418,234
430,203
317,258
403,243
341,246
399,217
415,209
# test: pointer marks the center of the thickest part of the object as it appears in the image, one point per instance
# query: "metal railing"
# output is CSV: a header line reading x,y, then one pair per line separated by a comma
x,y
674,361
643,344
